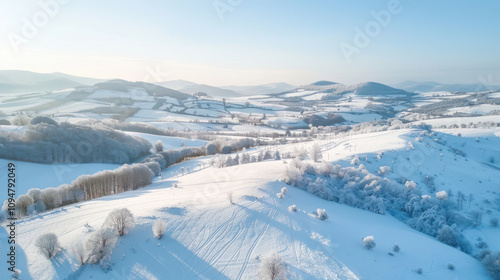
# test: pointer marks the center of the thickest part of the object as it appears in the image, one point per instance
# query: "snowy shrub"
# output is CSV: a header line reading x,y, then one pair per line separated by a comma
x,y
361,167
315,152
284,190
211,149
292,208
410,185
100,244
492,263
121,220
396,248
451,266
431,221
277,155
154,167
280,195
226,150
453,237
159,146
355,160
272,267
384,170
374,204
442,195
220,161
369,242
292,176
78,252
322,215
245,158
159,228
494,222
48,245
268,155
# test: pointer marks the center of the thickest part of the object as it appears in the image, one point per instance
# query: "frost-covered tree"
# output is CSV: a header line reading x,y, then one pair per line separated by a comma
x,y
384,170
159,228
284,190
369,242
51,198
48,245
121,220
100,245
159,146
277,155
315,152
78,252
272,267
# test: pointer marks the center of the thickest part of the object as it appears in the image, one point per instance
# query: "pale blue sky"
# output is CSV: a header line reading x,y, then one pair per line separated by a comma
x,y
258,41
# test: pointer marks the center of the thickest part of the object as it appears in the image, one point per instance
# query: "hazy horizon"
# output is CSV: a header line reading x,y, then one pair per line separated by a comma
x,y
222,43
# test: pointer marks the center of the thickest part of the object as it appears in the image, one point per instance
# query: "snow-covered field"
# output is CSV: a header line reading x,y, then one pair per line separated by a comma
x,y
222,222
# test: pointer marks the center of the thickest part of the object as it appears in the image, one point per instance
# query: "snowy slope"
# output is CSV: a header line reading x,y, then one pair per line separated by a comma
x,y
210,238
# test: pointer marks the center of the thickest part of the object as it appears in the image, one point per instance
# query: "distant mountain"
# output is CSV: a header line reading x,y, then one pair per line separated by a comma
x,y
176,84
261,89
13,81
210,90
336,89
433,86
151,89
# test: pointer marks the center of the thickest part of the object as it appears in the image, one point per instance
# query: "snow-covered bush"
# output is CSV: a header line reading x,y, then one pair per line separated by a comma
x,y
494,222
22,204
292,208
277,155
272,267
284,190
322,215
431,221
121,220
492,263
226,150
369,242
361,167
100,244
280,195
374,204
159,146
211,149
355,160
48,245
442,195
410,185
154,167
451,236
384,170
159,228
396,248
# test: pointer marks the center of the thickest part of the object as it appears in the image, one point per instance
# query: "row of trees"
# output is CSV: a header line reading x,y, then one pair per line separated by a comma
x,y
69,143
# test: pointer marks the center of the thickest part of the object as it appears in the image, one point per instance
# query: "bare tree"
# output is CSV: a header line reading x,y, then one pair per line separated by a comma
x,y
273,267
159,228
48,245
121,220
